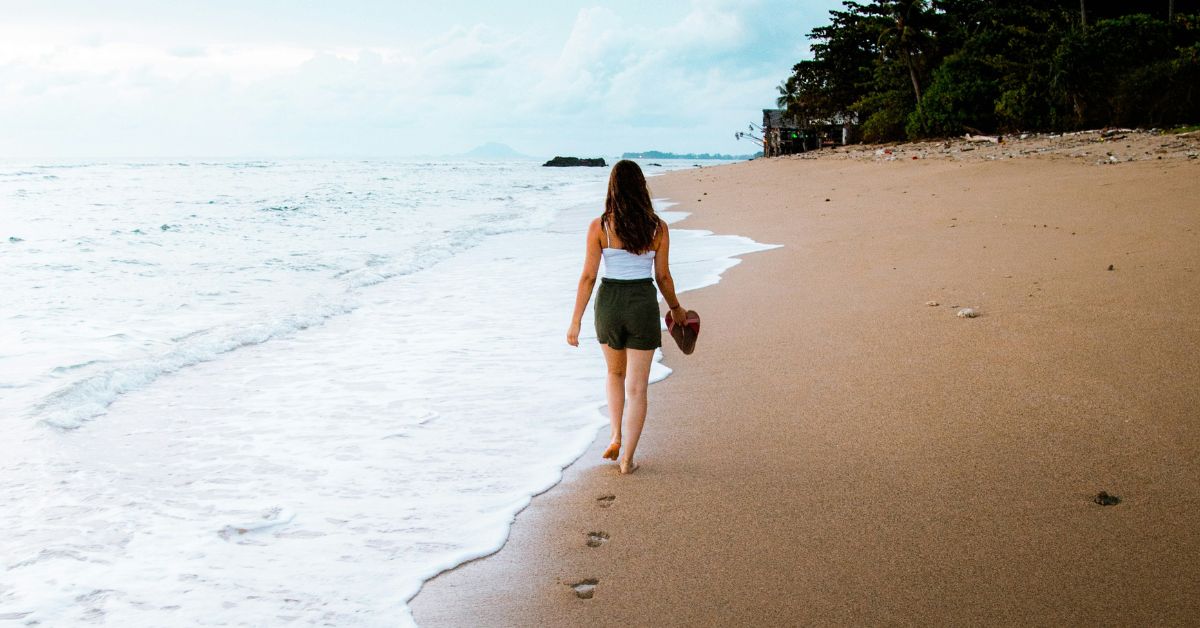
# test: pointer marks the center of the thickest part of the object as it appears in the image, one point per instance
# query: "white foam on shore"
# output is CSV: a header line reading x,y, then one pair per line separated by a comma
x,y
698,258
314,474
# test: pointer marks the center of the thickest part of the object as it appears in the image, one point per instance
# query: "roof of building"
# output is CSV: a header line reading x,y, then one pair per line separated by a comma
x,y
775,118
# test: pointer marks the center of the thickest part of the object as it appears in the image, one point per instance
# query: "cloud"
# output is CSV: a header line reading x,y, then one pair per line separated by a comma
x,y
186,51
615,83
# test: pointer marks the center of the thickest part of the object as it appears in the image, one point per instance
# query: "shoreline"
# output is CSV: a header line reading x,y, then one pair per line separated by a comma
x,y
837,451
711,254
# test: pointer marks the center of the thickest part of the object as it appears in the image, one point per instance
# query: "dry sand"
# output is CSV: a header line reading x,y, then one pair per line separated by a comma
x,y
837,452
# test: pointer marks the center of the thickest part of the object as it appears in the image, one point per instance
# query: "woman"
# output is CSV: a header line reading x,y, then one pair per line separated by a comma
x,y
634,243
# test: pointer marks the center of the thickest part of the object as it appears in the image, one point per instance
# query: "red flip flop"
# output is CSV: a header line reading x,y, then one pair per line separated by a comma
x,y
685,335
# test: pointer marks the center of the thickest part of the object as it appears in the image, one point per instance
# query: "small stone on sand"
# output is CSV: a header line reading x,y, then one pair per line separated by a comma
x,y
1104,499
931,303
967,312
585,589
1111,267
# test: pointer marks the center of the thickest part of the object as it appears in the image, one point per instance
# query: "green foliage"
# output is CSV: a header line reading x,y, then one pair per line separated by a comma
x,y
885,109
1129,71
1024,107
842,68
1094,69
887,114
909,68
963,94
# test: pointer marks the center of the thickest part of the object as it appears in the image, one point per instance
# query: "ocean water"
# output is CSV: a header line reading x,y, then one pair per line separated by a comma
x,y
268,393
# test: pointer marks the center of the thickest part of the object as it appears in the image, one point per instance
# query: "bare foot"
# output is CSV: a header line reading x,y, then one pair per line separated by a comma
x,y
614,449
628,466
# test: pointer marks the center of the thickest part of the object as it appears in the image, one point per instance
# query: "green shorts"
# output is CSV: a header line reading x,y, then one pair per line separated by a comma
x,y
627,314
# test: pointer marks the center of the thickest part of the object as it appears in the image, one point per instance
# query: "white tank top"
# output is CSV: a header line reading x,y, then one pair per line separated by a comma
x,y
621,264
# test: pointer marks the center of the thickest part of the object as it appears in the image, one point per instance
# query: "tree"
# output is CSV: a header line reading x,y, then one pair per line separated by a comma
x,y
913,68
842,68
905,37
1132,70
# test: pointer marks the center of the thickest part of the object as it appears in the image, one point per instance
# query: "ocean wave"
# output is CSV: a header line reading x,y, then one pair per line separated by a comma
x,y
73,405
77,403
59,370
269,519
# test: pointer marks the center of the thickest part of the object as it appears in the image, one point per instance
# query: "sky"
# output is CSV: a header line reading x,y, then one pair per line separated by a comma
x,y
376,78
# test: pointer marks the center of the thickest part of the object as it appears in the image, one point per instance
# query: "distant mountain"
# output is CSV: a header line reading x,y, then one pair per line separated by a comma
x,y
656,154
494,150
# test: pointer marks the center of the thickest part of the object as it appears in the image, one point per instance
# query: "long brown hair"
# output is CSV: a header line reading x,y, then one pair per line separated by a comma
x,y
627,210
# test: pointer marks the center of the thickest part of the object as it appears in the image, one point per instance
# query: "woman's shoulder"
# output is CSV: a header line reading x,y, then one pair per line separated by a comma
x,y
594,232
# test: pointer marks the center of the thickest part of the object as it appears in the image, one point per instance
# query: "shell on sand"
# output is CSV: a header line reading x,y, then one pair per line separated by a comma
x,y
931,303
968,312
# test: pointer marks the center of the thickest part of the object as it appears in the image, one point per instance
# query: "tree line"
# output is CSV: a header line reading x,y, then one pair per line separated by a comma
x,y
919,68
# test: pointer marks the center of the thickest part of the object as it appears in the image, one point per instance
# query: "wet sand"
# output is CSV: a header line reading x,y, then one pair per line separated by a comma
x,y
838,452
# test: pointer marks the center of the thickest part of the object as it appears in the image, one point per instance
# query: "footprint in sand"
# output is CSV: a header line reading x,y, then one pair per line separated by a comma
x,y
596,539
585,589
605,500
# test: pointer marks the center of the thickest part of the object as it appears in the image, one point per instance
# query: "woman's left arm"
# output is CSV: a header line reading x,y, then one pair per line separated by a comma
x,y
587,281
662,275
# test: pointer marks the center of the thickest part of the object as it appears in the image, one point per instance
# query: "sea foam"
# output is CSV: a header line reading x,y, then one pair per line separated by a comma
x,y
287,416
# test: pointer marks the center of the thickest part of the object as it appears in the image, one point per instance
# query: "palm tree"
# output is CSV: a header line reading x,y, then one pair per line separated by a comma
x,y
904,38
787,94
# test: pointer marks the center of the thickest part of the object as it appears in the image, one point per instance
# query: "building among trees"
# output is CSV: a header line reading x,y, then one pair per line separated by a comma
x,y
785,135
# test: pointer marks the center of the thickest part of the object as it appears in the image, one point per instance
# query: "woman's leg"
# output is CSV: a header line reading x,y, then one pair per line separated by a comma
x,y
636,382
615,387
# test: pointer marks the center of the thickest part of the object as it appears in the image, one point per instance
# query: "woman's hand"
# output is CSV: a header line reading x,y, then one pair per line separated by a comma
x,y
573,334
679,315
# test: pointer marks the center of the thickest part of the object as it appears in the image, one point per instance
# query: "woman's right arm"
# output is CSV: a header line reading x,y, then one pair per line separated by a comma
x,y
662,275
587,281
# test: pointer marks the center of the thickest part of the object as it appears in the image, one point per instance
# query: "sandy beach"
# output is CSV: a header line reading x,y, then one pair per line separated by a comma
x,y
843,449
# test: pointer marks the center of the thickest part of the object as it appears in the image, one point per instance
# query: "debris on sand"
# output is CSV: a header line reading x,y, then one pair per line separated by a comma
x,y
1104,499
1097,146
995,139
968,312
585,589
931,303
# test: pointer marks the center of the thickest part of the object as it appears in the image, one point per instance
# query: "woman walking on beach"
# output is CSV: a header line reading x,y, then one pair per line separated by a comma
x,y
634,243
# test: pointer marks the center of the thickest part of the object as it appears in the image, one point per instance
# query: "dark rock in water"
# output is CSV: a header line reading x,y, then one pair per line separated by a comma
x,y
15,239
659,165
563,162
1104,499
